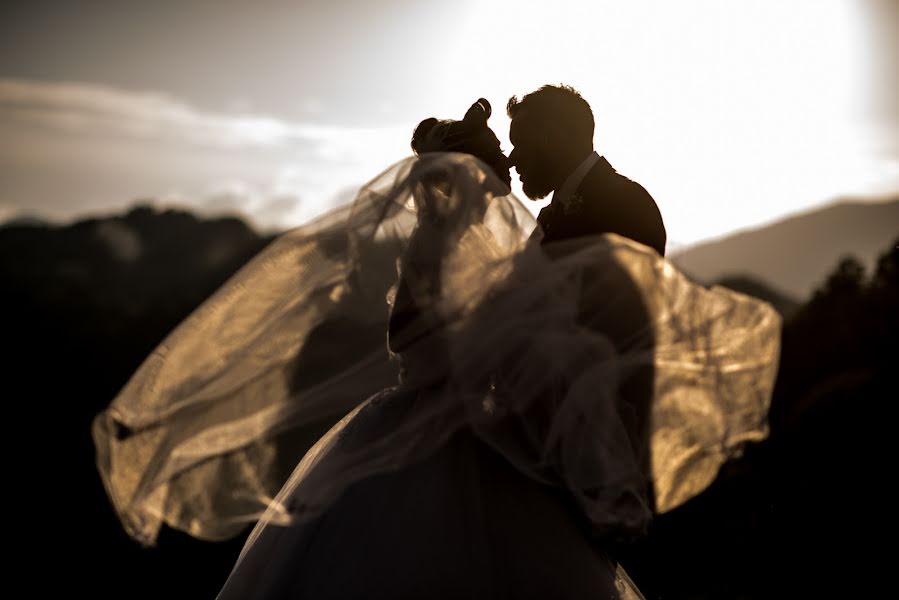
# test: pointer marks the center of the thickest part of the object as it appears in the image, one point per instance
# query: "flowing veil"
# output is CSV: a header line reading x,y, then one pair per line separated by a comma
x,y
229,421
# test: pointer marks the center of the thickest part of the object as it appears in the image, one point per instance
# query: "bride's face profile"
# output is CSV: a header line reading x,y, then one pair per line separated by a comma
x,y
486,147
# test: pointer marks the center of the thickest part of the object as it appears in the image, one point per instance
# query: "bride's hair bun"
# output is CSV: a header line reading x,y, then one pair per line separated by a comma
x,y
420,137
479,111
434,135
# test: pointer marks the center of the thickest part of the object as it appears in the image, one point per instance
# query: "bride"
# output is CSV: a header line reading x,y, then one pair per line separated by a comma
x,y
527,412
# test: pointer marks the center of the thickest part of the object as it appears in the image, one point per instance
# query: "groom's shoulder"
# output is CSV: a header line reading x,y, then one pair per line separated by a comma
x,y
623,206
604,182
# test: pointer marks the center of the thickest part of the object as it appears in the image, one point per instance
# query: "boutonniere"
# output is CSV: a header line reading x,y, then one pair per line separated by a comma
x,y
572,203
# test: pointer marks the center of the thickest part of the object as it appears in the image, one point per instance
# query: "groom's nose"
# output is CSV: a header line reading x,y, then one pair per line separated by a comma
x,y
512,156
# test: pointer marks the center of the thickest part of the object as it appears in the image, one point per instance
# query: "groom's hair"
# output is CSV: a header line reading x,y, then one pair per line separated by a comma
x,y
557,106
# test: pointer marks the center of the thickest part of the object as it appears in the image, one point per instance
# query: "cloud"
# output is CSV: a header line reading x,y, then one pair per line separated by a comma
x,y
85,108
71,148
269,206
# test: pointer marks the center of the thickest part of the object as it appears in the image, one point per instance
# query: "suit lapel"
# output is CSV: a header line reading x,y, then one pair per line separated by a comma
x,y
592,182
553,218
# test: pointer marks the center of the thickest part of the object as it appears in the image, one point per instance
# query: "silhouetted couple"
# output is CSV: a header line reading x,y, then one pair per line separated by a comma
x,y
551,395
552,137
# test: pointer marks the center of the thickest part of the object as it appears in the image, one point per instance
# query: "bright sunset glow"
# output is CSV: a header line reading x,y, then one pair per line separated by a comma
x,y
728,112
731,113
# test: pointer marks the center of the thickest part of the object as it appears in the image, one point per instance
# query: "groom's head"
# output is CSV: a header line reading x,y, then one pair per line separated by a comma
x,y
551,133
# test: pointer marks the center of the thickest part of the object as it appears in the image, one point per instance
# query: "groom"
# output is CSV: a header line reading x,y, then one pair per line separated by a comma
x,y
552,139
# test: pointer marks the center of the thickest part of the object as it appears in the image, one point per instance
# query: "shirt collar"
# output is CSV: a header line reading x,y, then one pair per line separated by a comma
x,y
574,180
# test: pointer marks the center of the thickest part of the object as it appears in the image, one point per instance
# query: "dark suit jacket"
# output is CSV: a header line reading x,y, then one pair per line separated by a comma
x,y
612,203
605,202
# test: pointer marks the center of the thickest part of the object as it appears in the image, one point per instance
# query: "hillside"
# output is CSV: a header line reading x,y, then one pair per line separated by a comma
x,y
795,255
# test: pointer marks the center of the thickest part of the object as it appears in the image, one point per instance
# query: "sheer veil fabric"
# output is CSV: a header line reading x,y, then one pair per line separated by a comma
x,y
594,366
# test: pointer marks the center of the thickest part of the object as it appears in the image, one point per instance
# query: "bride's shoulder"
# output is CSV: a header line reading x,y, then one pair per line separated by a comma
x,y
377,415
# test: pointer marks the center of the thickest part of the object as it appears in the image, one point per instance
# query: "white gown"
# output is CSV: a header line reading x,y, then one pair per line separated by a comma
x,y
535,408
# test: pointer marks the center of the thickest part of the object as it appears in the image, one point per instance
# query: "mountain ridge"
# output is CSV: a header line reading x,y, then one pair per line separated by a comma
x,y
794,255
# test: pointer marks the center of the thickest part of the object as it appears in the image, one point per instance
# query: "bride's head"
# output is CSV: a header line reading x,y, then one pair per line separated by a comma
x,y
471,135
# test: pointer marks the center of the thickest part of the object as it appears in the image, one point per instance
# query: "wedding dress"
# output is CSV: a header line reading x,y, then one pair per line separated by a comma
x,y
410,399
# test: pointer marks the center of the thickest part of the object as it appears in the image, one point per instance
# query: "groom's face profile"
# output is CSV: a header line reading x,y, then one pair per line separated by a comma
x,y
530,155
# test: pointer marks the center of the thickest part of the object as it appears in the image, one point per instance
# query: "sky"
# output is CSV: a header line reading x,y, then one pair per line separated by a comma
x,y
732,113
